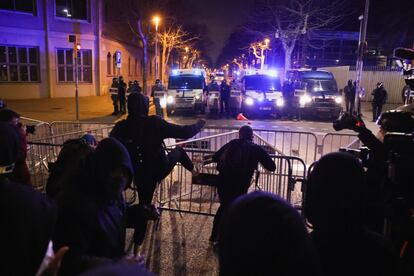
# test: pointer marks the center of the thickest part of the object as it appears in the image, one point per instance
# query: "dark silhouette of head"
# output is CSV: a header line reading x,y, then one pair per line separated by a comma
x,y
334,193
246,133
261,234
138,105
109,169
9,147
349,82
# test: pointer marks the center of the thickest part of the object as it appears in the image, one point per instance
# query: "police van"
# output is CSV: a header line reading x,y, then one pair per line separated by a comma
x,y
316,92
261,92
185,90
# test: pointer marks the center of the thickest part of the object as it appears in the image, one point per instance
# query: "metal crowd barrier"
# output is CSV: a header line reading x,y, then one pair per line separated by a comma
x,y
332,142
178,192
43,129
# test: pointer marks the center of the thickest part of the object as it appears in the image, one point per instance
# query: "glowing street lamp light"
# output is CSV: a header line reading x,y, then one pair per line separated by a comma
x,y
267,41
156,20
186,49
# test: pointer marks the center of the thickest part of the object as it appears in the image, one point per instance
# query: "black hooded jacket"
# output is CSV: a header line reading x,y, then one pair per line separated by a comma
x,y
27,217
148,132
93,215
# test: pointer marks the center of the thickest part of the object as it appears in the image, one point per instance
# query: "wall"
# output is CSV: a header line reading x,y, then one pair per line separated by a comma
x,y
393,81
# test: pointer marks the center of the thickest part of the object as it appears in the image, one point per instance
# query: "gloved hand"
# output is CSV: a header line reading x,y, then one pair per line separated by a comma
x,y
349,121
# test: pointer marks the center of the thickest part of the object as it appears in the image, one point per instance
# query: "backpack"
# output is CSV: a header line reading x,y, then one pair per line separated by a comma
x,y
235,157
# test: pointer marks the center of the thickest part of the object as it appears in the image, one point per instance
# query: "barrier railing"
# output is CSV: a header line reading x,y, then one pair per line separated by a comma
x,y
178,192
332,142
42,129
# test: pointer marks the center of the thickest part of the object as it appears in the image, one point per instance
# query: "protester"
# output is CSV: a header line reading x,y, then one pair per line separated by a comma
x,y
71,159
21,171
93,215
28,217
143,136
236,162
263,235
349,91
90,139
335,206
136,88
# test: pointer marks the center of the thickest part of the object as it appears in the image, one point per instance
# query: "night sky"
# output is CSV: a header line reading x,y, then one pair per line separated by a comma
x,y
221,18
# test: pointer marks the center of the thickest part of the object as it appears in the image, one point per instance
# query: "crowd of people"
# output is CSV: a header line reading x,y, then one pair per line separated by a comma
x,y
79,225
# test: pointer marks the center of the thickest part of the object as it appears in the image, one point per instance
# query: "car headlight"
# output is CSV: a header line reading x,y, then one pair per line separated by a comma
x,y
305,99
338,100
163,102
170,99
197,97
261,99
249,101
280,102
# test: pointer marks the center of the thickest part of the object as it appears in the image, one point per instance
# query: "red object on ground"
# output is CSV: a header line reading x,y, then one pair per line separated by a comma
x,y
241,117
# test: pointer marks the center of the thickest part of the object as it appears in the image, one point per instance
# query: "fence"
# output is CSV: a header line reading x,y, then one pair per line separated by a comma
x,y
178,192
42,129
392,79
302,145
332,142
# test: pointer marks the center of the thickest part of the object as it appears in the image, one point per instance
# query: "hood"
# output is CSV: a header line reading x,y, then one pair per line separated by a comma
x,y
335,191
109,155
9,146
138,105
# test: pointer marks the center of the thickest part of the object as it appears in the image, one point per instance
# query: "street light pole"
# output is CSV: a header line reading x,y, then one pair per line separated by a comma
x,y
156,19
77,79
360,62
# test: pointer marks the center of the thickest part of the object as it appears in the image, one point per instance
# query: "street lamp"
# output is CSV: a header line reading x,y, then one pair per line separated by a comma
x,y
156,20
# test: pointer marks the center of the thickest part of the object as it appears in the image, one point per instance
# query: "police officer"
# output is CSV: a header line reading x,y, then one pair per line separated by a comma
x,y
379,98
157,101
224,98
288,95
114,95
349,91
121,95
136,88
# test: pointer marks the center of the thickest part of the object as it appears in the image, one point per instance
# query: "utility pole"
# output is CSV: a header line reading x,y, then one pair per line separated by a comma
x,y
76,54
361,48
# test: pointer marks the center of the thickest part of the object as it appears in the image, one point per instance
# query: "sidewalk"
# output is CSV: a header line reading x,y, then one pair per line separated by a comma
x,y
91,109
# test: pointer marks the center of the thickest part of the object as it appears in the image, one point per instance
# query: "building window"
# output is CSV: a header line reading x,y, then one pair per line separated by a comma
x,y
19,64
73,9
136,67
129,67
108,64
66,65
114,64
18,5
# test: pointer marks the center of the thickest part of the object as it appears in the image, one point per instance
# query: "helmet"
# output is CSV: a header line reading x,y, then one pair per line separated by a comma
x,y
380,84
400,119
157,81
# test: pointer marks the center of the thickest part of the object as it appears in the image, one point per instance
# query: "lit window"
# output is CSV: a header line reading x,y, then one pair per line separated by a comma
x,y
108,64
19,64
73,9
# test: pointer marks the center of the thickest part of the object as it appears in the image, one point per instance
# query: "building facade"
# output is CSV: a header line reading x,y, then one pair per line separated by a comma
x,y
38,61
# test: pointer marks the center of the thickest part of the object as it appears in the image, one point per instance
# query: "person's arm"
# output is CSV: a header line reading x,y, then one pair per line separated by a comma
x,y
265,159
217,155
169,130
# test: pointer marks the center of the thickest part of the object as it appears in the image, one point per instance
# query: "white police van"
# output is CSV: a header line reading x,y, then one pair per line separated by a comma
x,y
261,92
186,91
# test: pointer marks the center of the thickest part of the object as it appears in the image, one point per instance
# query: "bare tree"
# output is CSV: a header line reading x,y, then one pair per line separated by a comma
x,y
259,49
291,21
173,37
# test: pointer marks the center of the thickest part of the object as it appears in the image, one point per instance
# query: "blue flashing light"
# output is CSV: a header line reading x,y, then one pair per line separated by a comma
x,y
174,72
197,72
